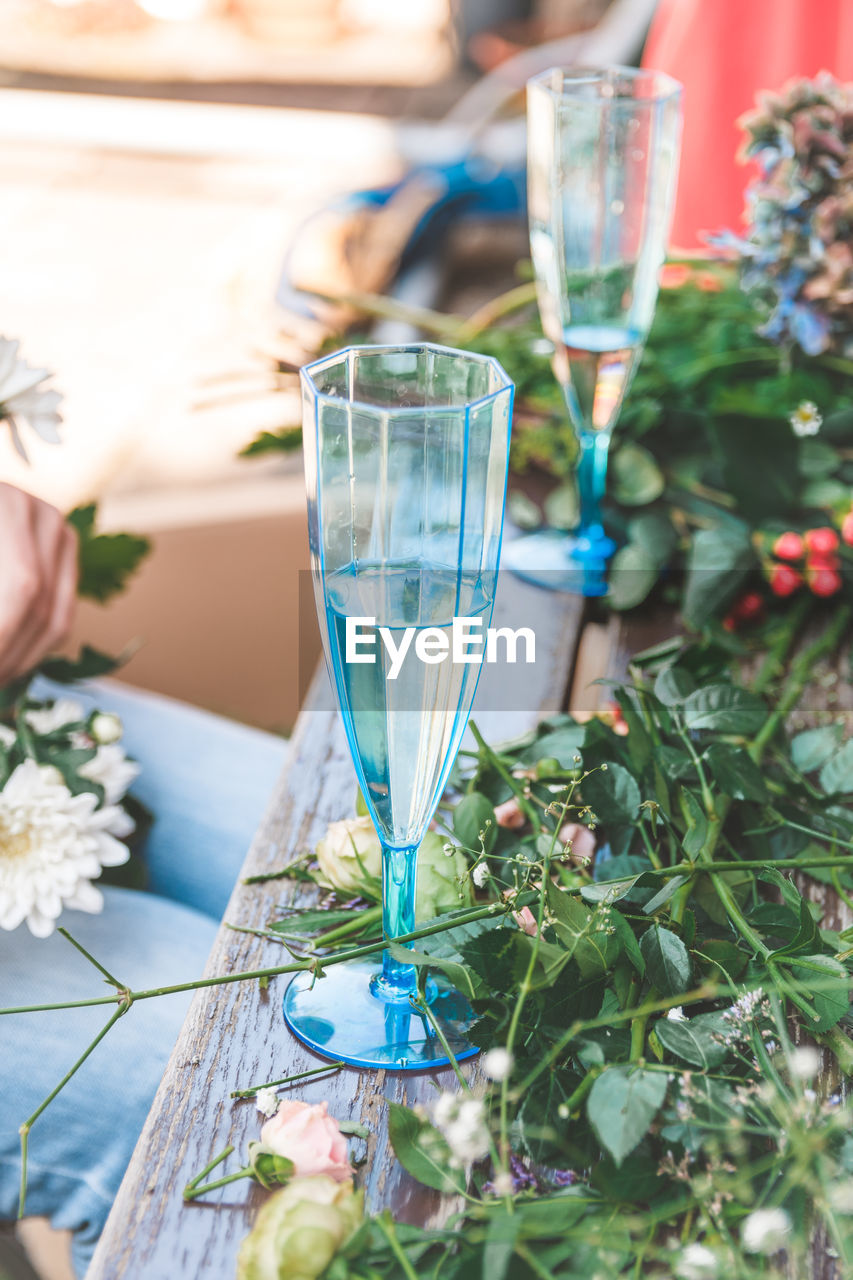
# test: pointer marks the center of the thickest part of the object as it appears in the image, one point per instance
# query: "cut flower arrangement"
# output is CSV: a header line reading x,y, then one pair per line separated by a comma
x,y
64,816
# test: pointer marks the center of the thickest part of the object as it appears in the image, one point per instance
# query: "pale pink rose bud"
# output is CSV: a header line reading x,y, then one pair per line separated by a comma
x,y
509,814
582,841
526,921
309,1137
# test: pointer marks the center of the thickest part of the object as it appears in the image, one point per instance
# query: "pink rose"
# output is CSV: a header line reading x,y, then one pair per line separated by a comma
x,y
526,921
582,841
308,1136
509,814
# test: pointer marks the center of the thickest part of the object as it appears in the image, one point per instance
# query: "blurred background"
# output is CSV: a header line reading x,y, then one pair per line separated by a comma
x,y
160,160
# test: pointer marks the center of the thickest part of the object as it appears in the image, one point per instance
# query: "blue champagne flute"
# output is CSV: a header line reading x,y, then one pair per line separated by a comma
x,y
406,453
602,163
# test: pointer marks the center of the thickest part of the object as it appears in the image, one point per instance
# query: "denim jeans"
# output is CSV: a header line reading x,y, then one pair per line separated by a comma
x,y
207,781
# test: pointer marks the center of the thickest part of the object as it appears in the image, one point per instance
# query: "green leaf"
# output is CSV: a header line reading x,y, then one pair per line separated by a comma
x,y
621,1106
669,890
583,934
421,1150
724,708
654,532
719,561
813,747
697,823
636,477
719,959
613,793
501,1235
633,573
825,983
562,508
667,961
105,561
474,814
816,458
806,937
672,685
560,744
825,494
90,664
836,776
736,773
696,1040
284,440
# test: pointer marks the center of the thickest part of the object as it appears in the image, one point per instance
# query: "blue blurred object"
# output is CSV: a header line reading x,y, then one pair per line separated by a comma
x,y
473,186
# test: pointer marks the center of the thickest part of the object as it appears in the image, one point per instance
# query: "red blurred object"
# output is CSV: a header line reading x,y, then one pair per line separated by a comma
x,y
725,52
789,546
822,541
749,607
825,582
784,580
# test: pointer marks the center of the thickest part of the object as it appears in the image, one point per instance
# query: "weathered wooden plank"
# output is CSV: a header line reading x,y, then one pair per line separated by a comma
x,y
234,1036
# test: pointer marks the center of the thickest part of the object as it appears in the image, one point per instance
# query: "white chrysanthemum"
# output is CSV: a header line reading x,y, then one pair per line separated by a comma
x,y
111,768
55,715
24,399
765,1231
52,845
676,1014
462,1122
805,1062
106,727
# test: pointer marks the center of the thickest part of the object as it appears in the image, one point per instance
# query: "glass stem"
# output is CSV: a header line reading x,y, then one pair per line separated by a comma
x,y
592,475
399,868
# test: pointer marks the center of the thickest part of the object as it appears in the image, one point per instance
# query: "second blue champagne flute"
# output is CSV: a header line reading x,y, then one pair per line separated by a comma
x,y
602,162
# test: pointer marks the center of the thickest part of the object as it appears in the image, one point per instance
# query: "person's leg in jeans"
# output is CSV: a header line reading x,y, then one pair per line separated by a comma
x,y
207,781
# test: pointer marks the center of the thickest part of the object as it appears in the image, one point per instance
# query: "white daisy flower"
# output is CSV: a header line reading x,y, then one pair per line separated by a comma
x,y
806,419
55,715
24,399
766,1231
111,768
497,1064
266,1100
52,845
676,1014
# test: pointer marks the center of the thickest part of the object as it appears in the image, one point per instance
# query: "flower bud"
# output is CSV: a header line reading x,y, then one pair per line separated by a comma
x,y
106,727
299,1230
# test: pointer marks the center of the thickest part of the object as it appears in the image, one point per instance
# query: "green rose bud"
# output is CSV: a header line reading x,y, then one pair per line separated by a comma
x,y
300,1229
350,858
269,1168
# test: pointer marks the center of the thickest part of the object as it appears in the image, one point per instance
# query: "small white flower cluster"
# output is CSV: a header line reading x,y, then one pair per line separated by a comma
x,y
765,1231
806,419
498,1064
743,1013
462,1123
54,843
266,1100
697,1262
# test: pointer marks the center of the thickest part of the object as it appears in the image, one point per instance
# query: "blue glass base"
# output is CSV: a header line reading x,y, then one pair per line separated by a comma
x,y
340,1017
561,561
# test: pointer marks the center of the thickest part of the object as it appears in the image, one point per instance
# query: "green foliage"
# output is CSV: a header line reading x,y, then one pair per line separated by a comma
x,y
105,560
284,440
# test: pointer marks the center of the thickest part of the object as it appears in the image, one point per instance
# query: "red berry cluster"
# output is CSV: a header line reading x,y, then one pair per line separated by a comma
x,y
749,608
819,549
